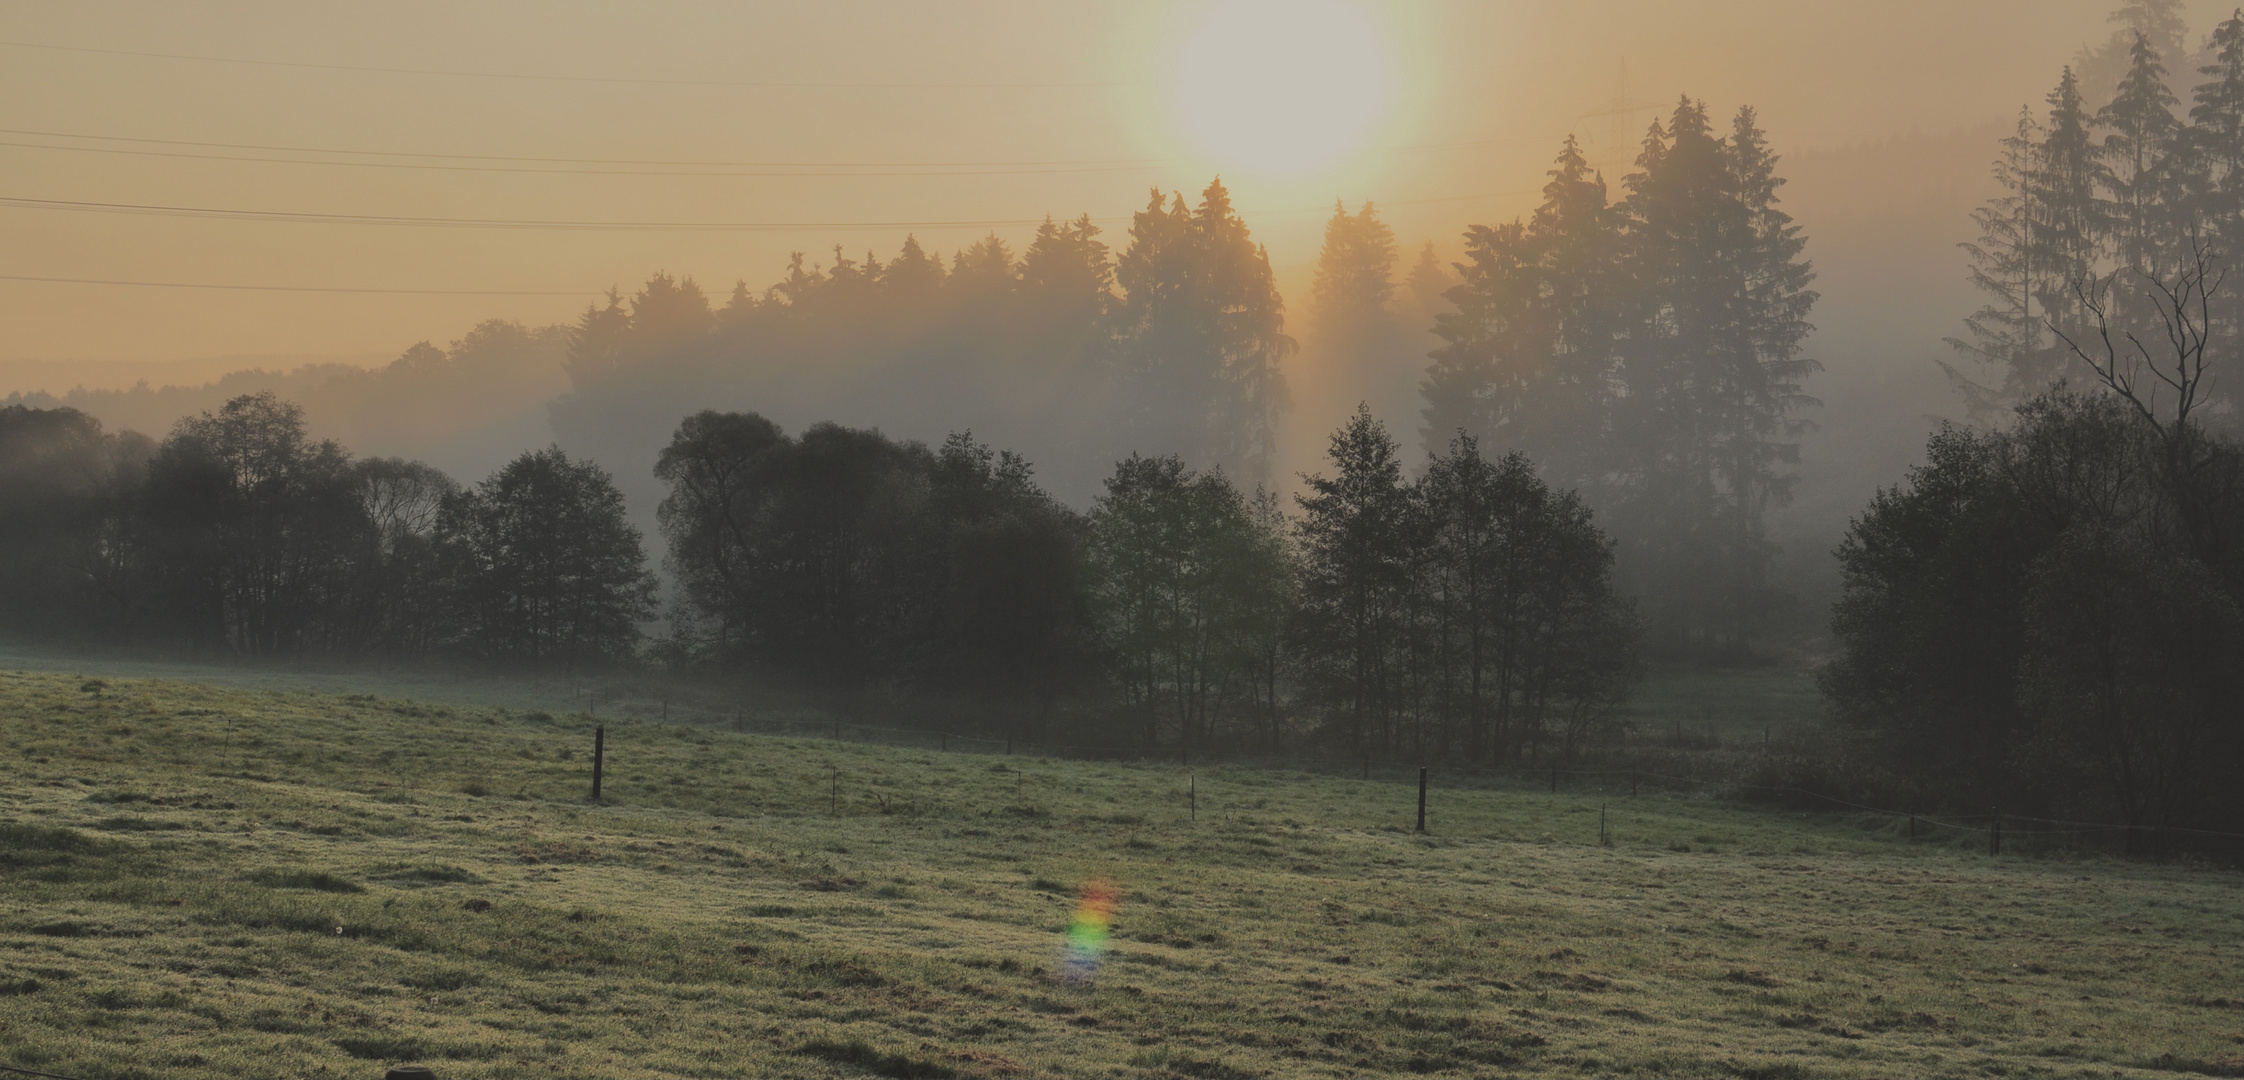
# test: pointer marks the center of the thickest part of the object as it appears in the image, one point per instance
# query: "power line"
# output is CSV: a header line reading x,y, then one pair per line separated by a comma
x,y
299,288
424,166
749,84
314,218
156,210
941,168
583,161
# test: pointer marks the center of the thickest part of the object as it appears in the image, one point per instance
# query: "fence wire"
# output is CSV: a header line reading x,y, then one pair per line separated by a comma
x,y
2001,822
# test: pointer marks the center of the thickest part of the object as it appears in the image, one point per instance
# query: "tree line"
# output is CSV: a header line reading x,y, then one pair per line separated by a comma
x,y
1469,611
1173,344
240,535
1644,352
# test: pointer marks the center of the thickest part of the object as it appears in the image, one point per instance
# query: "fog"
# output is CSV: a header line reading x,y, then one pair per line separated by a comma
x,y
1885,121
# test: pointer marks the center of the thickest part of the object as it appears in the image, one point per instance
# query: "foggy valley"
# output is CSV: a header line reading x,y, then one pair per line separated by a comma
x,y
1198,538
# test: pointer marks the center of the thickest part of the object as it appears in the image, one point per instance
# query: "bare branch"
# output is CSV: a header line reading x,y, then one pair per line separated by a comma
x,y
2183,305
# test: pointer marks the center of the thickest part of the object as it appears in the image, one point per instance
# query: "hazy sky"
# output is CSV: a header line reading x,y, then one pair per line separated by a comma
x,y
1064,108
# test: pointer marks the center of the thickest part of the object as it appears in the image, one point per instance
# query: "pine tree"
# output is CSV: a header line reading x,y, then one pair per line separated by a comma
x,y
2216,133
1528,360
2007,333
2139,167
1250,340
912,278
1355,274
1360,348
1201,330
1429,282
2215,180
984,270
667,313
1571,393
2070,223
2159,22
1717,314
1470,387
597,342
1066,267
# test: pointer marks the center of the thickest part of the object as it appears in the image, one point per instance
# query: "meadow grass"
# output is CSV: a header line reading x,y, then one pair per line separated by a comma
x,y
231,881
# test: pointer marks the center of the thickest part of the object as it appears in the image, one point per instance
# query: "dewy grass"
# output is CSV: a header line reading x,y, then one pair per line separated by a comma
x,y
207,881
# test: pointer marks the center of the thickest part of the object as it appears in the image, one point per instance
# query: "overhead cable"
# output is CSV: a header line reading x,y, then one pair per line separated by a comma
x,y
756,84
299,288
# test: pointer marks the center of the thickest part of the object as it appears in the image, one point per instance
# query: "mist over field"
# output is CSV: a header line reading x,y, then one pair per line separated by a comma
x,y
837,450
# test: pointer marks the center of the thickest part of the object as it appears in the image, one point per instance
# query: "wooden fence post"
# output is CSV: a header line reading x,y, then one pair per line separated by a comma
x,y
1601,834
836,806
599,751
1421,798
1192,794
1554,779
1912,828
1994,833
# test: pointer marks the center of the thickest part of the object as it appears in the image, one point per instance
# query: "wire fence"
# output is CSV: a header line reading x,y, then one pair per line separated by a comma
x,y
2000,830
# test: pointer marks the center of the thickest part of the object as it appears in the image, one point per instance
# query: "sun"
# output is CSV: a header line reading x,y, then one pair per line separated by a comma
x,y
1282,86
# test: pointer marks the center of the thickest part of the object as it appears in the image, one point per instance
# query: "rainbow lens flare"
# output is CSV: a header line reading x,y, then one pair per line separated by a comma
x,y
1087,931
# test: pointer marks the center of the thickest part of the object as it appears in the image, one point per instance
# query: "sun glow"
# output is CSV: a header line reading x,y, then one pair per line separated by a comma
x,y
1282,86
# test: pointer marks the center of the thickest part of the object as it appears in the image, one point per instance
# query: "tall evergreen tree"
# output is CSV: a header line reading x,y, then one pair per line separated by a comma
x,y
1528,360
2070,221
2007,333
1202,334
1359,344
2140,165
2215,178
1713,374
1354,282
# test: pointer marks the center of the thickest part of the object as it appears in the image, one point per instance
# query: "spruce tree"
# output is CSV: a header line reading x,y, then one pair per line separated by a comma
x,y
2215,178
1471,387
2006,333
1718,304
2070,222
1429,282
2140,166
1528,360
1359,345
1355,273
912,278
1574,377
1250,341
1201,336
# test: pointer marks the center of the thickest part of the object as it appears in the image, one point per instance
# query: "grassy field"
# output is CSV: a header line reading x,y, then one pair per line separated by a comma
x,y
232,881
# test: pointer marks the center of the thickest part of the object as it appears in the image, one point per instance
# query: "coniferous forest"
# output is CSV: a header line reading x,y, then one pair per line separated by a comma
x,y
2047,613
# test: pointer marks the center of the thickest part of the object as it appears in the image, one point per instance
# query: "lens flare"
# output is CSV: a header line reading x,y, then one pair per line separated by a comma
x,y
1087,931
